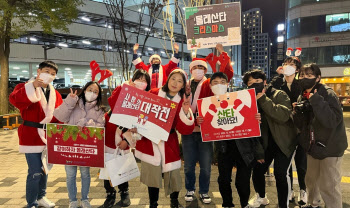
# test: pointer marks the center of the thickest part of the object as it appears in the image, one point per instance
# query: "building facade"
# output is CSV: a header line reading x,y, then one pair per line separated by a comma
x,y
322,30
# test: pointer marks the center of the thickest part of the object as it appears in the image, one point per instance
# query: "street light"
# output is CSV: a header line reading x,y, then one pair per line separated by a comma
x,y
280,27
280,39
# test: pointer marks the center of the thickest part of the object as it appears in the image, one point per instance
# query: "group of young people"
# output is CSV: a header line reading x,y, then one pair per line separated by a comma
x,y
299,117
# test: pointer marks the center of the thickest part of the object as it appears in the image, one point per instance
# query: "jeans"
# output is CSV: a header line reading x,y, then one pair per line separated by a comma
x,y
71,172
36,179
195,150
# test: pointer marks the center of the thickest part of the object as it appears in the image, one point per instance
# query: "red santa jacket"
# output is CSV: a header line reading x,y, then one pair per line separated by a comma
x,y
33,107
157,79
113,135
166,153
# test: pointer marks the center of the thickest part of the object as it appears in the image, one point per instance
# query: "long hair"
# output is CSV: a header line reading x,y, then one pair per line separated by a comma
x,y
99,104
165,87
142,73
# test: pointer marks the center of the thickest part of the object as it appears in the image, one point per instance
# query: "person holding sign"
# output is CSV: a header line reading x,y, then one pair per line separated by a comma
x,y
194,149
36,100
278,137
82,110
158,73
164,157
242,153
121,137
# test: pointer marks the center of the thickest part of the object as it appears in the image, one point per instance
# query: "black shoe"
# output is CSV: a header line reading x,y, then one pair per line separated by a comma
x,y
308,206
174,203
110,200
124,199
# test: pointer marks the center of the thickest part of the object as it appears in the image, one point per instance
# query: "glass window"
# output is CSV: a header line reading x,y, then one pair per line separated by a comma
x,y
337,22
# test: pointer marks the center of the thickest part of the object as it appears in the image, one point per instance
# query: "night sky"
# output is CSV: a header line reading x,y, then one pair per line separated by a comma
x,y
273,12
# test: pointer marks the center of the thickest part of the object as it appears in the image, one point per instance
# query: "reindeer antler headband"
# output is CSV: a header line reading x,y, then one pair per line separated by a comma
x,y
95,69
296,54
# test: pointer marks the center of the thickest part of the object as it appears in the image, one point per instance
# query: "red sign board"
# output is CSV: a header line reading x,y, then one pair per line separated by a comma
x,y
67,145
152,115
229,116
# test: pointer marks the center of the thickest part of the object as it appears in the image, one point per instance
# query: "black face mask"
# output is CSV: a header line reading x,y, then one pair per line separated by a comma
x,y
307,83
258,87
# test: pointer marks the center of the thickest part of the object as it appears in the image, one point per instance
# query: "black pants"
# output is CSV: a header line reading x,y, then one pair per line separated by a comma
x,y
282,164
111,189
301,164
226,161
153,194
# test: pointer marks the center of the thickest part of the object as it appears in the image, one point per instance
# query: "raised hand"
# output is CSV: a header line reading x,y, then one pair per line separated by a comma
x,y
38,82
136,47
279,70
200,120
73,95
258,117
186,104
131,83
176,47
220,47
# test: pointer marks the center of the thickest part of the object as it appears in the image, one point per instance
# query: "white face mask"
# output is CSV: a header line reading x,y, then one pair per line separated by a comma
x,y
198,74
219,89
90,96
140,85
47,78
288,70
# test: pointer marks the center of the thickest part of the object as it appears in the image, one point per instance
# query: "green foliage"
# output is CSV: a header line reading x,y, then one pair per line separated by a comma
x,y
73,132
26,14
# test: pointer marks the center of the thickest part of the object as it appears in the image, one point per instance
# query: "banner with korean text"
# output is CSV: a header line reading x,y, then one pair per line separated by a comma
x,y
229,116
213,24
67,145
152,115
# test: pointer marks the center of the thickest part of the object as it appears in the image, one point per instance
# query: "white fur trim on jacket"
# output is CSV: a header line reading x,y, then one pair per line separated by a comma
x,y
167,167
175,60
177,98
196,94
155,56
151,159
136,61
185,119
198,62
32,93
31,149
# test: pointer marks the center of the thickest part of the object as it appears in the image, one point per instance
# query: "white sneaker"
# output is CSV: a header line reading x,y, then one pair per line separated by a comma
x,y
44,202
291,196
302,199
189,196
205,198
256,201
85,204
73,204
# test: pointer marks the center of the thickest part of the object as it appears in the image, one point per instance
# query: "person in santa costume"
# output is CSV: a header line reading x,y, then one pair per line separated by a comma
x,y
82,110
158,73
193,148
36,100
164,157
120,137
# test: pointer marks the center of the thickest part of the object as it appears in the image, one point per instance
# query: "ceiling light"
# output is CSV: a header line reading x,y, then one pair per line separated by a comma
x,y
14,74
24,71
85,19
53,10
109,26
86,42
151,49
67,69
147,29
37,65
113,69
16,67
63,45
33,39
139,10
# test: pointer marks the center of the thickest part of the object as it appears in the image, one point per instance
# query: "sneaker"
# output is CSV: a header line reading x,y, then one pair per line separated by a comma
x,y
291,197
73,204
85,204
302,199
205,198
44,202
110,200
189,196
256,201
124,199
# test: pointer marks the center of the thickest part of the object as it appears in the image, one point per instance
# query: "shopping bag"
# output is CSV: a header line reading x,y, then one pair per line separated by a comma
x,y
103,171
122,168
46,166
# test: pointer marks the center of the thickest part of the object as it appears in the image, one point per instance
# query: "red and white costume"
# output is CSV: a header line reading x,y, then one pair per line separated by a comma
x,y
157,79
166,153
113,135
33,107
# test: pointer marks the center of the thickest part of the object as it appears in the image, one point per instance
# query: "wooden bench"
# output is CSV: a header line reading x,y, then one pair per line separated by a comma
x,y
7,117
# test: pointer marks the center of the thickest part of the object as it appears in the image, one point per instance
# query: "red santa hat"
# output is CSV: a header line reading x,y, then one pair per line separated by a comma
x,y
198,62
155,56
179,70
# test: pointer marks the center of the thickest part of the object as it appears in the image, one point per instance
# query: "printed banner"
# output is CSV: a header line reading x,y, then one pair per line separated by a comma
x,y
209,25
67,145
229,116
152,115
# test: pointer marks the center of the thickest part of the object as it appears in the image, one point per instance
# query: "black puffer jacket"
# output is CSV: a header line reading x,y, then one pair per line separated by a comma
x,y
326,120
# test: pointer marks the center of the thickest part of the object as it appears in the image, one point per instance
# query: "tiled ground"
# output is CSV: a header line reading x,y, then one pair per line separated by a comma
x,y
13,170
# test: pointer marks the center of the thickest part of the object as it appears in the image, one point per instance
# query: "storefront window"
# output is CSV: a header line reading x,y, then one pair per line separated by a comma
x,y
326,55
337,22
